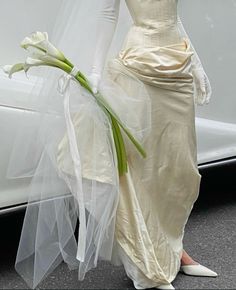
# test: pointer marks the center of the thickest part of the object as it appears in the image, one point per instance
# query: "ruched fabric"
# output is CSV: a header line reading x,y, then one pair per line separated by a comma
x,y
167,67
158,193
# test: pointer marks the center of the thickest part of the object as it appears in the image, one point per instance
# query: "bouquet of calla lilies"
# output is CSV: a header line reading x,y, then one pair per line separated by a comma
x,y
44,53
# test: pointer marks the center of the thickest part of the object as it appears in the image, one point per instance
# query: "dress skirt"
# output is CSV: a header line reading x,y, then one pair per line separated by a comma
x,y
158,192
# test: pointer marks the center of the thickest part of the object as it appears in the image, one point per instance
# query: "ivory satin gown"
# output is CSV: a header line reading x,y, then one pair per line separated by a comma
x,y
154,207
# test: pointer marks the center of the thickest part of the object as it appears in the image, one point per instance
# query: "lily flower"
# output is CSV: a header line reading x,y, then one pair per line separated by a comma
x,y
10,69
39,41
39,59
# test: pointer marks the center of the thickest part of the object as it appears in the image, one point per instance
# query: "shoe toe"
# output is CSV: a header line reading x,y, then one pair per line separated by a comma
x,y
198,270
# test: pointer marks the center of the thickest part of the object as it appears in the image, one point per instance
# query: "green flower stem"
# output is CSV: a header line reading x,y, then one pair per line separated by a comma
x,y
67,66
128,133
102,102
62,65
69,63
123,156
118,151
119,144
79,73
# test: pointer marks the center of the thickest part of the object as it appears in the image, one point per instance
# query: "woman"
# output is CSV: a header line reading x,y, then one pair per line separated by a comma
x,y
154,209
136,219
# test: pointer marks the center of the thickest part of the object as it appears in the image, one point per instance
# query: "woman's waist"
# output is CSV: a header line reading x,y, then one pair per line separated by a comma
x,y
157,57
152,36
157,64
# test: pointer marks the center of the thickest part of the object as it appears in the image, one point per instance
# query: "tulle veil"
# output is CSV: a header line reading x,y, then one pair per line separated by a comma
x,y
68,192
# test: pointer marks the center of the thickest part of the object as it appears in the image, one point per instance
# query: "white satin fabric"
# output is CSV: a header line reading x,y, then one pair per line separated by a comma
x,y
154,206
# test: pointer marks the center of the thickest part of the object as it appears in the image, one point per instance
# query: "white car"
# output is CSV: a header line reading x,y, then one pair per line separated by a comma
x,y
213,37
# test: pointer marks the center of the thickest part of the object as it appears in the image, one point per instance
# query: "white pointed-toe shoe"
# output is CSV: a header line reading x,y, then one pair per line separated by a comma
x,y
197,270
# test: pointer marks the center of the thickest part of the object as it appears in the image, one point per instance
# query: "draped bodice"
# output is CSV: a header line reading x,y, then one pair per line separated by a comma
x,y
154,23
154,49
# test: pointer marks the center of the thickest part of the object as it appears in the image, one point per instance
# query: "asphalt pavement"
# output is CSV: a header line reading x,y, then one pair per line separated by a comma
x,y
210,238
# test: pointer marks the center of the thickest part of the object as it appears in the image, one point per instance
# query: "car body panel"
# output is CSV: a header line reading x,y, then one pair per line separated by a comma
x,y
213,39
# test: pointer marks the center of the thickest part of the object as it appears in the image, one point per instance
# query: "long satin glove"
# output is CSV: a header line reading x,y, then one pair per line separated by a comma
x,y
200,78
107,23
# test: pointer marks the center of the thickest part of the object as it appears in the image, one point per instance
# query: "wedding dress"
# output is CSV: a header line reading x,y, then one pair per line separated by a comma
x,y
154,206
137,219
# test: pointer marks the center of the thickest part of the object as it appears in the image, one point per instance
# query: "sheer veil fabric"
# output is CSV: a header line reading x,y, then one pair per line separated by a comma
x,y
64,190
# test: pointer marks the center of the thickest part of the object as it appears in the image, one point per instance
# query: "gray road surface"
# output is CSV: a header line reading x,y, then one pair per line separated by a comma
x,y
210,237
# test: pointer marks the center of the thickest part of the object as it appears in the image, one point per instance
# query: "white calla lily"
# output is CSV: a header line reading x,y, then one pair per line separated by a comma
x,y
38,60
10,69
29,62
7,68
39,41
35,38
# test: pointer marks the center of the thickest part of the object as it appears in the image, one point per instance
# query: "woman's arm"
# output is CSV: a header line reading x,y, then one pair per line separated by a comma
x,y
107,21
201,81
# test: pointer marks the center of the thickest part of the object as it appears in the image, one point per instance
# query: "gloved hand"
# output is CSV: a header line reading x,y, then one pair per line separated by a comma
x,y
107,21
94,79
202,84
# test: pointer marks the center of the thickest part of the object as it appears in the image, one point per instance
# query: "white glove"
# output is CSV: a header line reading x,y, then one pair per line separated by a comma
x,y
107,21
202,84
94,80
